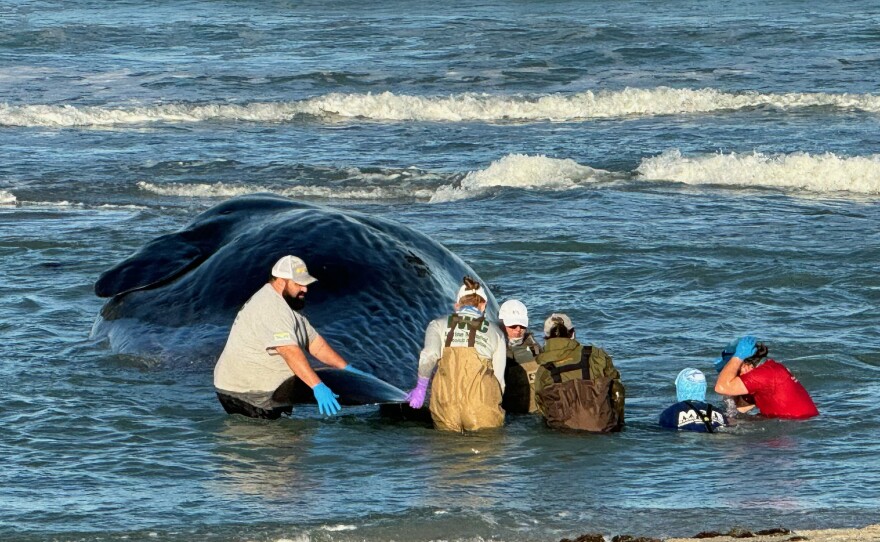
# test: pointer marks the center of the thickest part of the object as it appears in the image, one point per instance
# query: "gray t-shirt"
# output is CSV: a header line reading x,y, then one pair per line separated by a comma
x,y
249,362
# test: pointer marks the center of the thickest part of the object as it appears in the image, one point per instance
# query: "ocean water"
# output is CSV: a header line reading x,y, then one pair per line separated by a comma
x,y
672,175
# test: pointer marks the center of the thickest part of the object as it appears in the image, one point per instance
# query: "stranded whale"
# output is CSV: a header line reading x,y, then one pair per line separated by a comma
x,y
379,284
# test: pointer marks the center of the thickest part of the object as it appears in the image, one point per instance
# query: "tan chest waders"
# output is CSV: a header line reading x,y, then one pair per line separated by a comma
x,y
465,395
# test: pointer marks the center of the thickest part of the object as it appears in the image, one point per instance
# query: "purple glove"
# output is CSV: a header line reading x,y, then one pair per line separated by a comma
x,y
416,397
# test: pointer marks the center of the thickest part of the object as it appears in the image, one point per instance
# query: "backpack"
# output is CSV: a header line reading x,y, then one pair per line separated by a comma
x,y
580,392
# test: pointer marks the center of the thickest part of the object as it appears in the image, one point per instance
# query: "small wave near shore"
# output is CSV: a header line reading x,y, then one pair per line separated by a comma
x,y
800,173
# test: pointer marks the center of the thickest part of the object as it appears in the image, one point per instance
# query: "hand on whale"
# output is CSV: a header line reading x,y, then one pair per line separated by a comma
x,y
352,388
379,284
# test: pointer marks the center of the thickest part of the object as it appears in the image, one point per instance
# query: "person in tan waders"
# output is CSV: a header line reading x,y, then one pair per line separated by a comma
x,y
469,353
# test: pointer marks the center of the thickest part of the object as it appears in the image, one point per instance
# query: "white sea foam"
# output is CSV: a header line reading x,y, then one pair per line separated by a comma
x,y
800,172
340,527
523,171
821,173
571,107
391,107
62,116
223,190
7,198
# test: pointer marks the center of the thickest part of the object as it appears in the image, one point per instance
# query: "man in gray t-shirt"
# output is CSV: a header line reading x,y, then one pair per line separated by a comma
x,y
266,349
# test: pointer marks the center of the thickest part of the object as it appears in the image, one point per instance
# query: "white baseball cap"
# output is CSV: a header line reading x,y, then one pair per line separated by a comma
x,y
293,268
513,313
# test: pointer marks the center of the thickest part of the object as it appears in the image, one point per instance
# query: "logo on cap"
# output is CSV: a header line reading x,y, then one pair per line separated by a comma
x,y
293,268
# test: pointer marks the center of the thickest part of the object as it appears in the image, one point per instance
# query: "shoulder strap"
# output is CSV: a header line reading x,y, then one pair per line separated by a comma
x,y
707,417
452,323
583,365
474,326
530,343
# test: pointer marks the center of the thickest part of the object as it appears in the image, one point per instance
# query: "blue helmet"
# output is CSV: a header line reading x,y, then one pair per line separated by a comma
x,y
690,385
726,354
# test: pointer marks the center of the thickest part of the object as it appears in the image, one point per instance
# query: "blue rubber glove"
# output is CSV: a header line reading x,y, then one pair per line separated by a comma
x,y
327,403
416,397
726,354
745,348
354,370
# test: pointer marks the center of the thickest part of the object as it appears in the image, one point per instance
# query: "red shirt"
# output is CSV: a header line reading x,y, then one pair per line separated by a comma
x,y
777,393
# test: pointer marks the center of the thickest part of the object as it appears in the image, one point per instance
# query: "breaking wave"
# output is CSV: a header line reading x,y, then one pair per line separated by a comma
x,y
516,170
797,172
468,107
226,190
7,198
523,171
821,173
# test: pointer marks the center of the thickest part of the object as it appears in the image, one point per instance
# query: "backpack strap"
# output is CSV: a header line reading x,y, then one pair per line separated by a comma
x,y
707,417
583,365
586,352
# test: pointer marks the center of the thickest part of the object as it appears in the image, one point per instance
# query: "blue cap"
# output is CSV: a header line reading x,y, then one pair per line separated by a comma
x,y
690,385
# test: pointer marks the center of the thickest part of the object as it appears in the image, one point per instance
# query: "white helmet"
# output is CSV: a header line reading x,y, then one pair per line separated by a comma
x,y
513,313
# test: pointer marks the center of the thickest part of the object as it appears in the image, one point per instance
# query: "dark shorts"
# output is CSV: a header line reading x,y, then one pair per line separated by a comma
x,y
234,405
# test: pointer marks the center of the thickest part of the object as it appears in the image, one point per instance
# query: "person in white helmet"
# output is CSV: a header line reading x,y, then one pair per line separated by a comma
x,y
522,348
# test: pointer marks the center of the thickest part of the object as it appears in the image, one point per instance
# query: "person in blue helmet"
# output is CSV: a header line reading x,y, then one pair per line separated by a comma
x,y
692,412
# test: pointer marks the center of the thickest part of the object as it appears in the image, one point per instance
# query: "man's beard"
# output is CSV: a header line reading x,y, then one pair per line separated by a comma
x,y
297,303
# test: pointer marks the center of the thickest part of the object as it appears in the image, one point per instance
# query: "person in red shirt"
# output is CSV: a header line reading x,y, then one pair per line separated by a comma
x,y
776,392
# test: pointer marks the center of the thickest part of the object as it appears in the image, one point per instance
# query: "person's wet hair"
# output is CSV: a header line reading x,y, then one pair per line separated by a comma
x,y
761,352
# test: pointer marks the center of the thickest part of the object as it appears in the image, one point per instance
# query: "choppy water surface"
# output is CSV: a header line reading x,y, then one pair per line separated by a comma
x,y
671,176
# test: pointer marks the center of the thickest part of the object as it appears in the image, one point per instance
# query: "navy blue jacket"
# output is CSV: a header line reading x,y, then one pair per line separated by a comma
x,y
682,416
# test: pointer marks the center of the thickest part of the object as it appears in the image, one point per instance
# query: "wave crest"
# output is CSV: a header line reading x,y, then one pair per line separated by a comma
x,y
467,107
224,190
7,198
522,171
821,173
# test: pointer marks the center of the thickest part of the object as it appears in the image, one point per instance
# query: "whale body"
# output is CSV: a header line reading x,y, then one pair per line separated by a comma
x,y
379,284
